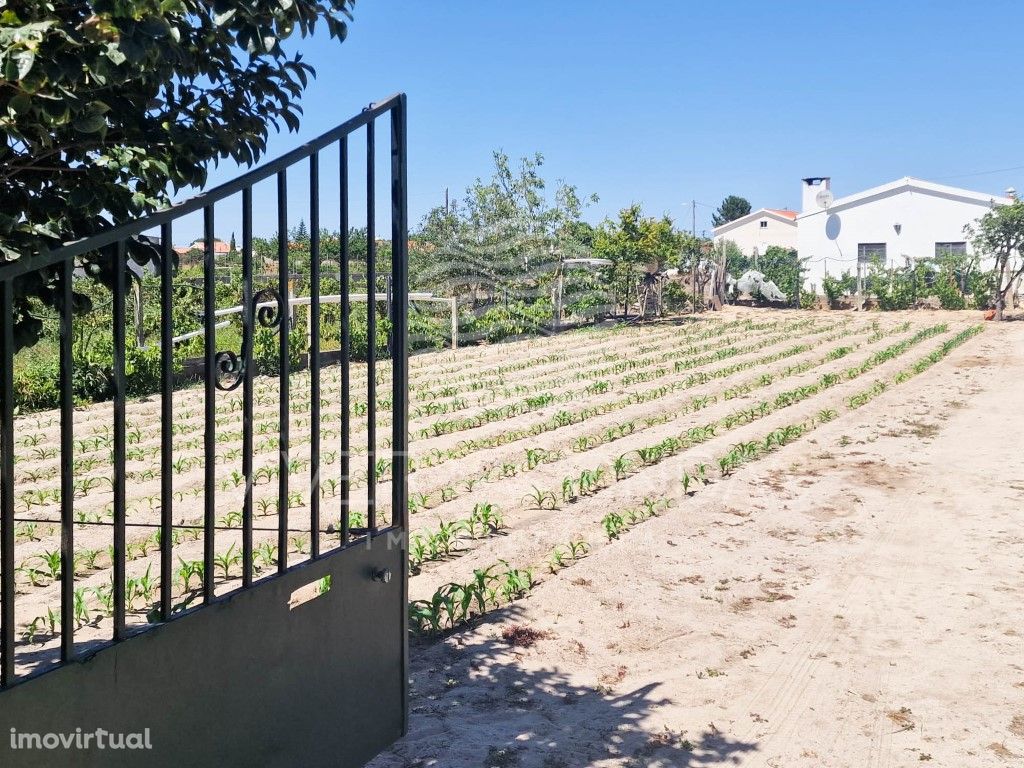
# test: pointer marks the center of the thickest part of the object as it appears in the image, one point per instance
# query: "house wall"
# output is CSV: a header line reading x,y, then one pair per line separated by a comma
x,y
751,235
829,239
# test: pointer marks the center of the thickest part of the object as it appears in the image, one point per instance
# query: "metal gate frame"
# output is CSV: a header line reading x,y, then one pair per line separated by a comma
x,y
321,683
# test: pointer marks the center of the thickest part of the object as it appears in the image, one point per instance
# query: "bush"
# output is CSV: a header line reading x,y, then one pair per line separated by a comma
x,y
266,349
36,382
514,319
427,332
837,287
982,286
948,293
676,298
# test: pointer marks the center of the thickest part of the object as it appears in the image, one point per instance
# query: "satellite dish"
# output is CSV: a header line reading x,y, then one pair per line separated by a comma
x,y
824,198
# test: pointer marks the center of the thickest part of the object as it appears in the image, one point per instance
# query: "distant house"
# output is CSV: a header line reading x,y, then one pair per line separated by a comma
x,y
759,230
894,224
220,248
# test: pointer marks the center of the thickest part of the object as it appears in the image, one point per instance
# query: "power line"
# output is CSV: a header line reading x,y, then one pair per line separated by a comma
x,y
981,173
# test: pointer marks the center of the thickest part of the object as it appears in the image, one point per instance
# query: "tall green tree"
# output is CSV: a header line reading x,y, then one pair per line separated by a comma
x,y
108,105
631,243
999,235
506,237
732,208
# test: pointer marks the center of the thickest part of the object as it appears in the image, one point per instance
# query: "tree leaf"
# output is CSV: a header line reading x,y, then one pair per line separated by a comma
x,y
24,60
220,19
90,123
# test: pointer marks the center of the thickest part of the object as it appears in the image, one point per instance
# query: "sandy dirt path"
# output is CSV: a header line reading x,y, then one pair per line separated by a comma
x,y
854,599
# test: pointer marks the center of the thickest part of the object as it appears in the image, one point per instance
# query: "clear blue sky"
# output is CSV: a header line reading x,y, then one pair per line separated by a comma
x,y
662,101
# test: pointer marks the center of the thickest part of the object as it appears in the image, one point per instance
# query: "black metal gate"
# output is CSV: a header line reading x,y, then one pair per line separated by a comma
x,y
277,663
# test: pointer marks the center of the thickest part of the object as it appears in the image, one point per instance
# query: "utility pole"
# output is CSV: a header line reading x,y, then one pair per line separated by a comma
x,y
693,262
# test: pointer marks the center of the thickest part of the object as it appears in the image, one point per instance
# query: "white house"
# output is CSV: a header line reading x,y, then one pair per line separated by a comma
x,y
899,222
759,230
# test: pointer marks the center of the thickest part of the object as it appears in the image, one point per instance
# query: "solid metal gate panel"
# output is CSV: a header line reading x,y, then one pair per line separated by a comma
x,y
306,666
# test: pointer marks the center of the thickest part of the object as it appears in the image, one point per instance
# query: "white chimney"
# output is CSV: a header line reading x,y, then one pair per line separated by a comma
x,y
809,188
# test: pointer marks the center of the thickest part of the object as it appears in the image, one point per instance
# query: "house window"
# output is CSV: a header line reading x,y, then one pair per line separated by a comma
x,y
869,252
764,224
950,249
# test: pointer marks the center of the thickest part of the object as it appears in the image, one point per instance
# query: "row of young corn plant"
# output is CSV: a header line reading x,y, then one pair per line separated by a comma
x,y
598,384
447,426
590,481
436,457
862,398
586,348
440,543
186,463
616,523
645,340
457,603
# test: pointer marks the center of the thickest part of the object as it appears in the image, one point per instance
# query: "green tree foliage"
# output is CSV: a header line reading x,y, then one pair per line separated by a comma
x,y
105,106
633,242
837,287
732,208
736,262
782,267
503,244
999,234
300,232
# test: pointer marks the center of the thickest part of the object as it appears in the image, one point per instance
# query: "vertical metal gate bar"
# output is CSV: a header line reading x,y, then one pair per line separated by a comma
x,y
400,369
282,446
166,419
7,585
314,355
67,477
210,405
400,310
248,317
371,333
120,267
346,340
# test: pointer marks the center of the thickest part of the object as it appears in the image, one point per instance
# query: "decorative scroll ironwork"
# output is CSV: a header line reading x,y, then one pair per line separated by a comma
x,y
266,309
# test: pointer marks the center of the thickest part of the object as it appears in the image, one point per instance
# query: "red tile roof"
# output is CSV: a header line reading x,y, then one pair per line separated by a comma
x,y
787,213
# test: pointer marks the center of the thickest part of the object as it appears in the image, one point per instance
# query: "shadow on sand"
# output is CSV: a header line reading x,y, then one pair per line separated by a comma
x,y
478,702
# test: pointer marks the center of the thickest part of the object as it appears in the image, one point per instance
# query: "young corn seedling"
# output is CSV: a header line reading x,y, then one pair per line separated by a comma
x,y
490,516
444,540
226,560
621,467
556,561
187,570
105,596
542,500
81,606
613,524
568,489
51,561
417,553
534,456
578,549
688,480
265,555
515,582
